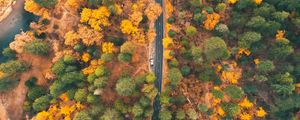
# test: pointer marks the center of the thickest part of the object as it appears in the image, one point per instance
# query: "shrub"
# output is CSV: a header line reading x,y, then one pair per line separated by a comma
x,y
145,102
125,86
92,99
248,38
37,48
150,78
265,66
261,78
199,18
280,16
174,76
171,20
171,33
217,94
234,92
215,48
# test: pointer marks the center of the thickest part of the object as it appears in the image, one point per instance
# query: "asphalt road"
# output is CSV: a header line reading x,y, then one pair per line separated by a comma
x,y
158,60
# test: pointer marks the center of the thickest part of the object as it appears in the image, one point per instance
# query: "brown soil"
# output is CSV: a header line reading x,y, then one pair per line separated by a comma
x,y
11,104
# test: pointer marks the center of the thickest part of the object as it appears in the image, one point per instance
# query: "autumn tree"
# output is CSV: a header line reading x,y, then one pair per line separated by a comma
x,y
127,27
33,7
71,38
153,11
89,36
96,18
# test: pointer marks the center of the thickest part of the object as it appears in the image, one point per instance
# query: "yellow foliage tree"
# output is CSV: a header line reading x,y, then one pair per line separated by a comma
x,y
71,38
86,57
280,34
153,11
167,54
257,2
127,27
261,112
211,21
1,74
256,61
138,36
220,111
74,3
246,103
89,36
107,47
245,116
151,35
167,42
34,8
96,18
232,1
136,17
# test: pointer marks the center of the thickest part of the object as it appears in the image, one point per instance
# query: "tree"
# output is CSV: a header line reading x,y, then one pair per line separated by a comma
x,y
234,92
125,57
153,11
14,66
150,78
37,48
71,38
192,114
265,66
92,99
174,76
41,103
81,95
100,82
256,22
191,30
211,21
107,47
222,29
128,47
144,102
9,53
36,92
248,38
72,77
137,110
264,10
8,81
280,50
111,114
280,16
125,87
215,48
180,114
220,7
127,27
68,59
165,115
185,70
231,109
107,57
82,115
101,71
46,3
58,68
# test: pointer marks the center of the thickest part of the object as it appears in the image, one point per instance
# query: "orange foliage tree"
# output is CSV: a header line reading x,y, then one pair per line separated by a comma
x,y
96,18
211,21
153,11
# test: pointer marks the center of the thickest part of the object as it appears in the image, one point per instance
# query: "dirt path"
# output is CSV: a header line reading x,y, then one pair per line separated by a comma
x,y
11,102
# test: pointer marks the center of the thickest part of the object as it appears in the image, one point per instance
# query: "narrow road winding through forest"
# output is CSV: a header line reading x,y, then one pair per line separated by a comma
x,y
158,60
